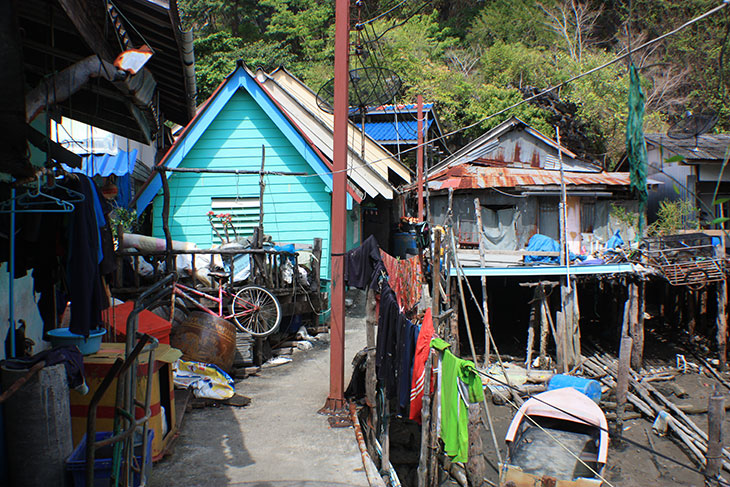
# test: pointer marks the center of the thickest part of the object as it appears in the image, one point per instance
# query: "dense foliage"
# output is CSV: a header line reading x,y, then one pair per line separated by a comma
x,y
474,58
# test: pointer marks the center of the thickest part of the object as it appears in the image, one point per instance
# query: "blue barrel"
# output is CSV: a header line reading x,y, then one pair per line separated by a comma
x,y
589,387
403,241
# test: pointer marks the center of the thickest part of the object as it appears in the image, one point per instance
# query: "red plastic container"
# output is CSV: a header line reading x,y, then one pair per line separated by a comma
x,y
147,322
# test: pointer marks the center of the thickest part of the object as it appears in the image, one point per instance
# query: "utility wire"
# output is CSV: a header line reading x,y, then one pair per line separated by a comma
x,y
547,90
381,15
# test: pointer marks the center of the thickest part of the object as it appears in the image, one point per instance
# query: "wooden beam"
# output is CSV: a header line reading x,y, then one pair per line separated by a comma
x,y
90,18
482,262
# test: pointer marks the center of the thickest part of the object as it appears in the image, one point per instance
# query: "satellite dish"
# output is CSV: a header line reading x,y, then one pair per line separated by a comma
x,y
369,86
693,125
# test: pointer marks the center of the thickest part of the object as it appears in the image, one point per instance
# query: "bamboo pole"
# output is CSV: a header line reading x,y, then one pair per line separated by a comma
x,y
482,262
471,344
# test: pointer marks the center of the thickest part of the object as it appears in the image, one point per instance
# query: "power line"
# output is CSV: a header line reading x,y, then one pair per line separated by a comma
x,y
552,88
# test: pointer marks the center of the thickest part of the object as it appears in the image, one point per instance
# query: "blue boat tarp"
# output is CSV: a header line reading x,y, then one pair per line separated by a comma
x,y
105,165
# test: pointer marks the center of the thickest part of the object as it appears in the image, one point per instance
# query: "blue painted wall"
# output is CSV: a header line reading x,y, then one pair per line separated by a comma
x,y
296,209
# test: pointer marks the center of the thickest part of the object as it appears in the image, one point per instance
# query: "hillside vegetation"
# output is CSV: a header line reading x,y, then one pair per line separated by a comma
x,y
473,58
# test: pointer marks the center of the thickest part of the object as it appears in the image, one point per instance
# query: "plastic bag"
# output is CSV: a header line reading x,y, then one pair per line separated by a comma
x,y
207,380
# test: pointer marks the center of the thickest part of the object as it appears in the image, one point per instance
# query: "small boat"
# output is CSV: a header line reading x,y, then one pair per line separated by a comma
x,y
561,446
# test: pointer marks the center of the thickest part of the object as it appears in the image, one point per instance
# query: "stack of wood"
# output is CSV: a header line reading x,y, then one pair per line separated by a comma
x,y
651,403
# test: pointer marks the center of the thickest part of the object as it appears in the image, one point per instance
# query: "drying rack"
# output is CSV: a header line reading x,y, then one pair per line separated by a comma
x,y
125,421
31,201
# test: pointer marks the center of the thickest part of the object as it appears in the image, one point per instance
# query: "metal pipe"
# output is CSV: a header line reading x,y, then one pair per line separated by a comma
x,y
336,399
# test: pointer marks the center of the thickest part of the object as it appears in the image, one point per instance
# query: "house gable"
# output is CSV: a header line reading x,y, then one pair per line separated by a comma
x,y
296,208
240,78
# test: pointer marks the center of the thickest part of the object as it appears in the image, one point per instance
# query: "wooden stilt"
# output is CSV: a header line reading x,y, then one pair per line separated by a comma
x,y
722,323
536,303
476,466
622,381
715,419
635,332
370,380
544,330
560,341
691,311
422,472
576,326
452,335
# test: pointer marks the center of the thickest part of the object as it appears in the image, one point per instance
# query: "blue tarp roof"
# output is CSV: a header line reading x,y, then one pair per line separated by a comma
x,y
106,165
404,131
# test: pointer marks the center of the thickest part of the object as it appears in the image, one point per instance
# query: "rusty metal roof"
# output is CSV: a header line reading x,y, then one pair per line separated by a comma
x,y
469,176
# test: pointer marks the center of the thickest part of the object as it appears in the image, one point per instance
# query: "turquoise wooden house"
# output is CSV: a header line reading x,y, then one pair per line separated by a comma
x,y
229,132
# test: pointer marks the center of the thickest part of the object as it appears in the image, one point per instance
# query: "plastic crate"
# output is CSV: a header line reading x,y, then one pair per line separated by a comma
x,y
76,463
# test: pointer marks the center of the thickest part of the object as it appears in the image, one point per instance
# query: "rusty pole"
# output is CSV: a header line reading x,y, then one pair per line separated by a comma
x,y
336,401
419,157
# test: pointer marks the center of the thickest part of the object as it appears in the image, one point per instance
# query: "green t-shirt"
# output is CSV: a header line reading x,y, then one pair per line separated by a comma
x,y
454,410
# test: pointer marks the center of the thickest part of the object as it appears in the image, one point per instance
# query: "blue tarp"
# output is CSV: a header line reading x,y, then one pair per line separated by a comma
x,y
615,241
543,243
106,165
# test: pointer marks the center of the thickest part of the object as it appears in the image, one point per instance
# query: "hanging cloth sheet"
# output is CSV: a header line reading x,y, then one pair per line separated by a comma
x,y
423,347
459,384
362,264
405,279
636,144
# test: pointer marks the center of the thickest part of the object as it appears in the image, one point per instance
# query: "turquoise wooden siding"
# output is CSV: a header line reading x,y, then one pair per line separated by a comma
x,y
296,209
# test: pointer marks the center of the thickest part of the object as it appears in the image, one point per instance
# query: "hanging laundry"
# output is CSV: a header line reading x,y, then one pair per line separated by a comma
x,y
85,254
459,384
362,264
390,321
407,338
405,279
423,347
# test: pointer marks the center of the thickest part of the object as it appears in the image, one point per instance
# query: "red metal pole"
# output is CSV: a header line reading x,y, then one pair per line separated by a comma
x,y
419,157
336,401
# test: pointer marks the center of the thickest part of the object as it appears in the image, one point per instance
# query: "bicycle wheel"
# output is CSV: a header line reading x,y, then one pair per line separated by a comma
x,y
256,311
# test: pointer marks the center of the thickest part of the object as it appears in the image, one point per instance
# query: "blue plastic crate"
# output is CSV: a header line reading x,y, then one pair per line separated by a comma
x,y
76,463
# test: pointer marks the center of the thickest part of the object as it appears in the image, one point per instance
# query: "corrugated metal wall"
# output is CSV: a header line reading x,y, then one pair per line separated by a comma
x,y
296,209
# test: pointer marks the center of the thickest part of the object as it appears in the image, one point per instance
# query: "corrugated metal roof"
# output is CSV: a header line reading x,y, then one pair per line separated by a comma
x,y
105,164
703,147
468,176
391,131
411,107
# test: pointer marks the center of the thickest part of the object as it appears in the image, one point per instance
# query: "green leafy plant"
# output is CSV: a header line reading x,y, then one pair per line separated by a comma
x,y
673,216
625,216
123,219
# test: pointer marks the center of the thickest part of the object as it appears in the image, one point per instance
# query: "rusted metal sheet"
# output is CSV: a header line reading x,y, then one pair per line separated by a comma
x,y
470,176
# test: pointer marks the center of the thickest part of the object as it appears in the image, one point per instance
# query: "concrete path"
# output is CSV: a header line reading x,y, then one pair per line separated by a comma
x,y
279,440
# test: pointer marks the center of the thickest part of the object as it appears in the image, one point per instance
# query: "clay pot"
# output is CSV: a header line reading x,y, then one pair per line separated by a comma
x,y
203,337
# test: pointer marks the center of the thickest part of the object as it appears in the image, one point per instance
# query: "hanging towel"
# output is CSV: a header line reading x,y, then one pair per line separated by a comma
x,y
404,276
453,400
423,347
